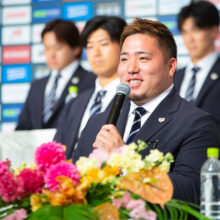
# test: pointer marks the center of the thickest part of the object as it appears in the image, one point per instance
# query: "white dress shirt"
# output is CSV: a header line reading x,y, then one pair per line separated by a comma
x,y
149,107
205,66
66,74
110,93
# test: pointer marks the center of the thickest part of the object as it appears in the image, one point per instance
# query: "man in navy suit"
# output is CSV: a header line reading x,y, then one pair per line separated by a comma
x,y
199,25
62,51
154,112
101,37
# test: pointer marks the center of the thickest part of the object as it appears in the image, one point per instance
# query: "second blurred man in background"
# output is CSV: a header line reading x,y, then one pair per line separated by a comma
x,y
101,37
199,81
46,98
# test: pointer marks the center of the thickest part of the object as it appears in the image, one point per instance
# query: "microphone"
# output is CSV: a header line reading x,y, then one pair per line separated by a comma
x,y
122,91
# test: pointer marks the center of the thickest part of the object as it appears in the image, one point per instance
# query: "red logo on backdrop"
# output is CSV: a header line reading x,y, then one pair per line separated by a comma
x,y
16,54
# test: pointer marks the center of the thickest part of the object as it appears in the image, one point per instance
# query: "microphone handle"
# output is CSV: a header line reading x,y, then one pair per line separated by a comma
x,y
116,108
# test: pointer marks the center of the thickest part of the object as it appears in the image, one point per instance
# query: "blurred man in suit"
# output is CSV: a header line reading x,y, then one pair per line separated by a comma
x,y
46,98
199,81
154,112
101,37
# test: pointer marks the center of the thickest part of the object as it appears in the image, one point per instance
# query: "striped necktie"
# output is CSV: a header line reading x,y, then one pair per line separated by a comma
x,y
139,112
191,87
97,105
49,101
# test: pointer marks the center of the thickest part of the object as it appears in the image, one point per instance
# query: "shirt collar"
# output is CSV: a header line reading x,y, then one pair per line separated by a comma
x,y
205,63
152,104
110,87
67,71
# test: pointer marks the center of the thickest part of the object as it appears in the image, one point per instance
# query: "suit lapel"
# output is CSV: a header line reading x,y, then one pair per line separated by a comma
x,y
76,76
77,117
160,117
212,78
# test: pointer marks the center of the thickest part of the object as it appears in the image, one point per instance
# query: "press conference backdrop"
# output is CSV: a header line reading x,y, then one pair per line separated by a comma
x,y
22,59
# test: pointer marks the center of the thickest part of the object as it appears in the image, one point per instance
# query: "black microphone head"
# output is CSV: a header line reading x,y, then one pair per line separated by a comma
x,y
123,88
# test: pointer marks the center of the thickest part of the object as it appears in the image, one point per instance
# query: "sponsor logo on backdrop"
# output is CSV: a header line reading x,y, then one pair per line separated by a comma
x,y
39,1
14,92
111,8
77,11
39,71
45,13
15,54
15,2
36,32
37,55
140,8
16,35
11,112
16,73
167,7
170,22
16,15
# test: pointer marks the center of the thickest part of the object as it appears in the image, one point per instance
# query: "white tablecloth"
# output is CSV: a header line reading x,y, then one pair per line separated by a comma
x,y
19,146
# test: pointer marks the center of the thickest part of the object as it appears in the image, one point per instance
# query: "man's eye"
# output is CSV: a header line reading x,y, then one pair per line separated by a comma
x,y
123,59
143,58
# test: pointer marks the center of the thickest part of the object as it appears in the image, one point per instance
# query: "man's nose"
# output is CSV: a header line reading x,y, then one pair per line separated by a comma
x,y
133,67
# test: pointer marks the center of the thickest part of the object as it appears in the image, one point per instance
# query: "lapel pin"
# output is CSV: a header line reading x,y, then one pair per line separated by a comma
x,y
161,120
75,80
214,76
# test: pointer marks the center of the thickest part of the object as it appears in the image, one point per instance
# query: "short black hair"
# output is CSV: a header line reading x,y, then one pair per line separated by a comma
x,y
204,13
65,31
111,24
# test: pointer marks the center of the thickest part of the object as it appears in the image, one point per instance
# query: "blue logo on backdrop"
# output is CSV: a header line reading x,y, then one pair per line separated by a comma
x,y
170,22
11,112
36,1
77,11
16,73
45,13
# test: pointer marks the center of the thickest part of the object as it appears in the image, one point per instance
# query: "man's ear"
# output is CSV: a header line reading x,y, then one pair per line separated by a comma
x,y
172,64
76,51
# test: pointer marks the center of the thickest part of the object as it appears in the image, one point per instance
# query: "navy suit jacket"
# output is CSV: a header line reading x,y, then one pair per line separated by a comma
x,y
186,132
70,121
210,92
31,116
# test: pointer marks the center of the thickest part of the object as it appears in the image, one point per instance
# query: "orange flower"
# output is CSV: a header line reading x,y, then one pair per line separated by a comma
x,y
153,185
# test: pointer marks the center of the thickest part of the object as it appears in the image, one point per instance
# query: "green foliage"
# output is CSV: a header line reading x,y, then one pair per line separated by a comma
x,y
99,193
71,212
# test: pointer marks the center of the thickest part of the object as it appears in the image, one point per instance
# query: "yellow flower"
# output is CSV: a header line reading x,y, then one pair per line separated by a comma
x,y
85,164
36,201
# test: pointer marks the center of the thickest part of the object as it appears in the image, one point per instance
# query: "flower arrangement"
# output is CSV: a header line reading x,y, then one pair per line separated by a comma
x,y
106,185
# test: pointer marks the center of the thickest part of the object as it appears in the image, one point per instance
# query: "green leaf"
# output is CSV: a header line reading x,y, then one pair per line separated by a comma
x,y
99,192
47,212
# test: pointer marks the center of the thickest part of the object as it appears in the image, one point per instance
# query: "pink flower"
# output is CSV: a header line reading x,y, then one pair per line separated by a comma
x,y
61,169
137,207
49,154
32,181
100,155
4,166
17,215
122,201
8,187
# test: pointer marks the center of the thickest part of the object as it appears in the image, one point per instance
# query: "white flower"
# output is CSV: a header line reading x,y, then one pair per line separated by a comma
x,y
84,164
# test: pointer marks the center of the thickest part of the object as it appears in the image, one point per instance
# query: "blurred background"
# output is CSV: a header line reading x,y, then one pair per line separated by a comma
x,y
22,59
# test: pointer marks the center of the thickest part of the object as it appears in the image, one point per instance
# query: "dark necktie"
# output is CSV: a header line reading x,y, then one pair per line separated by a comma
x,y
49,101
191,87
139,112
97,105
